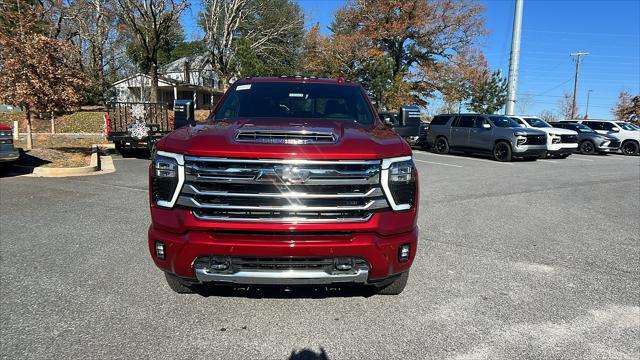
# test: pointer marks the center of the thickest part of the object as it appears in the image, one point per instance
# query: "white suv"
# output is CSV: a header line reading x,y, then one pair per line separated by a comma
x,y
628,135
560,142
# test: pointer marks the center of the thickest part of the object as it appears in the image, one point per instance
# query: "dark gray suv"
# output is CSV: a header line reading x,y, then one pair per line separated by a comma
x,y
497,135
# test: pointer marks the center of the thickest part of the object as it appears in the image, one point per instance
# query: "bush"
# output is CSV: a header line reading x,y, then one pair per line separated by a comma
x,y
81,122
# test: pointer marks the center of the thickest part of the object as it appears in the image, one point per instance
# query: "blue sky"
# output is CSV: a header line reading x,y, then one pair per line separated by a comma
x,y
608,30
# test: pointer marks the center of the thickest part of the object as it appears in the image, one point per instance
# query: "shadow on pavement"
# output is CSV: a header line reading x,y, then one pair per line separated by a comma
x,y
281,292
306,354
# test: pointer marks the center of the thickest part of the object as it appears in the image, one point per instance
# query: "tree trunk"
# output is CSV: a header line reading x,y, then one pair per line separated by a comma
x,y
153,73
29,136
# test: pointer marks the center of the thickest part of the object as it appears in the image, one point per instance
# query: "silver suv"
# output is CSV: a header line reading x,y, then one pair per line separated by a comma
x,y
478,133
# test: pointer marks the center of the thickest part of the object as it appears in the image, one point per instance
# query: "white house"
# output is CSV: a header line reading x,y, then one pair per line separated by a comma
x,y
184,79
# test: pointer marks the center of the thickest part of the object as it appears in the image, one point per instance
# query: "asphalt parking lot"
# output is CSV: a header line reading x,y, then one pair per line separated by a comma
x,y
516,260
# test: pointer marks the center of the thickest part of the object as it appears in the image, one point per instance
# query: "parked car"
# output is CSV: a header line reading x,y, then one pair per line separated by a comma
x,y
406,123
295,181
478,133
8,152
627,125
422,139
560,142
629,139
589,141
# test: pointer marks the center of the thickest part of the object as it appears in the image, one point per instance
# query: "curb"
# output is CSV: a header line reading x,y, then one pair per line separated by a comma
x,y
95,166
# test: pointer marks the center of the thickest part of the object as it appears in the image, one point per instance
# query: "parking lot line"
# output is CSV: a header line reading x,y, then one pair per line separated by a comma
x,y
551,161
576,158
437,163
463,158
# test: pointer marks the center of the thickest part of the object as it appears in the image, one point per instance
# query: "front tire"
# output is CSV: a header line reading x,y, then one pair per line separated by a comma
x,y
177,285
441,146
502,151
630,148
397,286
587,147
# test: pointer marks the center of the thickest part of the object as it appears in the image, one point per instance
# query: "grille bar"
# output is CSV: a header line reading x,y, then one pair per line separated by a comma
x,y
191,202
192,189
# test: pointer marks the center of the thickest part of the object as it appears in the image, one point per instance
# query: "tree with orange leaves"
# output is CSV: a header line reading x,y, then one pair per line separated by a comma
x,y
37,73
420,37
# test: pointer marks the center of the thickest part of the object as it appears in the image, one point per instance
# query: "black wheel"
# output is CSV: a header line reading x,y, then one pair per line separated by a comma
x,y
587,147
396,287
502,151
630,148
177,285
441,146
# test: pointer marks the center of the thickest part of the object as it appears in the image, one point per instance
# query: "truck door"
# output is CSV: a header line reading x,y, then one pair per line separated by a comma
x,y
460,131
481,136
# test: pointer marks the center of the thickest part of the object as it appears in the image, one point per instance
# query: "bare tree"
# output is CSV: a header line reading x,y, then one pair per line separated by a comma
x,y
150,21
95,22
566,106
265,26
548,116
220,20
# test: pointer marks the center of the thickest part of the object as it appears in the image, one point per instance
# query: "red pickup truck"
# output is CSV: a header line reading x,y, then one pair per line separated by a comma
x,y
293,181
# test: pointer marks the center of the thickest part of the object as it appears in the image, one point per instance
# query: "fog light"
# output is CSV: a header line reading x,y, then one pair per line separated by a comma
x,y
343,264
160,254
405,251
219,264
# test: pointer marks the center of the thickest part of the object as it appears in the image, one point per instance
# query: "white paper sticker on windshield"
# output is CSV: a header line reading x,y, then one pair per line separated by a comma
x,y
296,95
243,87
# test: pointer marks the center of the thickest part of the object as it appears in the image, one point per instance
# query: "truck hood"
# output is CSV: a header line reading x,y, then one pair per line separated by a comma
x,y
528,131
557,131
354,141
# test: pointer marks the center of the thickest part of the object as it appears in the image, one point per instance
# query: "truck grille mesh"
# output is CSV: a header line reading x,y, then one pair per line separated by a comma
x,y
289,191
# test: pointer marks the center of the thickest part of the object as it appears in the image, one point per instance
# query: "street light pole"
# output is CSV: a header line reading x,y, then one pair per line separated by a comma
x,y
514,60
586,112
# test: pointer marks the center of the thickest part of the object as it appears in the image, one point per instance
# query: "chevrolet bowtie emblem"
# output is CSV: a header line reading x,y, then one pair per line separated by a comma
x,y
292,174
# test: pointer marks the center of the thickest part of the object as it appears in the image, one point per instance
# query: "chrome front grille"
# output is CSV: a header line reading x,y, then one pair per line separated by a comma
x,y
282,190
287,137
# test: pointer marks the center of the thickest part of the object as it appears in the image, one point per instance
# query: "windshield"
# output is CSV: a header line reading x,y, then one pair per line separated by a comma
x,y
537,123
581,128
503,121
626,126
295,100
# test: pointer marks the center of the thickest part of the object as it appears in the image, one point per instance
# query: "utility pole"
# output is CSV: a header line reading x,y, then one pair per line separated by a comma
x,y
586,112
514,59
575,81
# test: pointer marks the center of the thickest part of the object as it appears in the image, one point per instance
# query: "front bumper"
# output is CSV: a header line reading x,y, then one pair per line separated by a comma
x,y
379,252
9,155
563,151
529,150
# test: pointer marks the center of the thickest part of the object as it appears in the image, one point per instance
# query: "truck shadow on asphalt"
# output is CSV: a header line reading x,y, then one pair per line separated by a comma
x,y
306,354
282,292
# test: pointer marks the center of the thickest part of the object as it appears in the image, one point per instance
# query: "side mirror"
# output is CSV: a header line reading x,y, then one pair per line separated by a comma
x,y
486,126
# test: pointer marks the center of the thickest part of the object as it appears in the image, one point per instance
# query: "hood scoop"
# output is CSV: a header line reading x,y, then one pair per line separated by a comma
x,y
272,136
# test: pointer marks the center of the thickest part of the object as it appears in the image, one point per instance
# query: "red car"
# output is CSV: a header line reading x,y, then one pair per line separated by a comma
x,y
7,151
293,181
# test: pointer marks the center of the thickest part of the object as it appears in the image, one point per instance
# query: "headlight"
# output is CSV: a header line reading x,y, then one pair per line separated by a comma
x,y
521,140
167,177
6,133
555,140
399,182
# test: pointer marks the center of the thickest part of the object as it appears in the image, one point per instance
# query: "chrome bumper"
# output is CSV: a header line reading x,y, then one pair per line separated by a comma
x,y
283,277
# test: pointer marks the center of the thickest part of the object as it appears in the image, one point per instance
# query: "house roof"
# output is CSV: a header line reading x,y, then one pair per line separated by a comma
x,y
198,62
161,79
